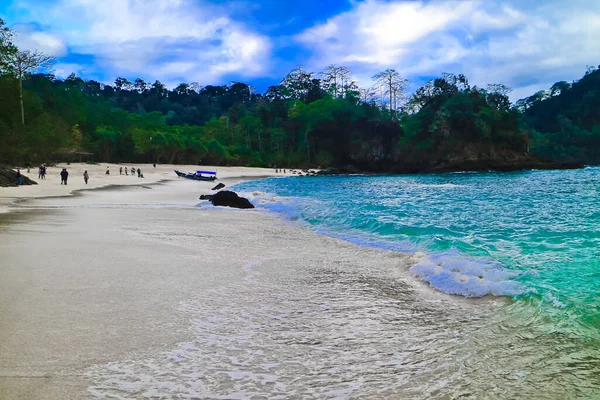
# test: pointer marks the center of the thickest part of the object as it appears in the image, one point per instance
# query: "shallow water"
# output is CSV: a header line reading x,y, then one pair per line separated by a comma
x,y
534,236
273,310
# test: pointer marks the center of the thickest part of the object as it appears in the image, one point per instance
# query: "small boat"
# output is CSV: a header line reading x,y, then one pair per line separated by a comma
x,y
198,175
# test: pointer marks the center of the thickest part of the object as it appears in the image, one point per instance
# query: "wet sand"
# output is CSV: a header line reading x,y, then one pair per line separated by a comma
x,y
77,287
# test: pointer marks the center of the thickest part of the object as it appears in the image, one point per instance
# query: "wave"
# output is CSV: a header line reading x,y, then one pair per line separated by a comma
x,y
455,273
450,272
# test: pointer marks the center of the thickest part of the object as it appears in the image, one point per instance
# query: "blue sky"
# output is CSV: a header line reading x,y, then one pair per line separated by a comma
x,y
526,44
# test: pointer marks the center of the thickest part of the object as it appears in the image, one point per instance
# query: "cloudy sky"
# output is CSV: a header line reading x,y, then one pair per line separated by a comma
x,y
526,44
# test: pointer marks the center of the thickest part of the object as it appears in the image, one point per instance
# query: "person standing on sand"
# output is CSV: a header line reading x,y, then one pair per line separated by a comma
x,y
139,171
132,171
86,177
126,171
154,165
19,177
63,176
120,170
107,171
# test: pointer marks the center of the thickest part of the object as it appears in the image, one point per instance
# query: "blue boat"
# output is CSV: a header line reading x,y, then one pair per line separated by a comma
x,y
198,175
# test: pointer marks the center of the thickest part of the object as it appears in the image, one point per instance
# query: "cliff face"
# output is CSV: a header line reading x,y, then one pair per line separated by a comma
x,y
471,157
467,157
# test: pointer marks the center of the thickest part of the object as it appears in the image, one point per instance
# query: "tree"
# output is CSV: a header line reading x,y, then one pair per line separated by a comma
x,y
7,48
367,95
334,77
23,63
393,85
297,84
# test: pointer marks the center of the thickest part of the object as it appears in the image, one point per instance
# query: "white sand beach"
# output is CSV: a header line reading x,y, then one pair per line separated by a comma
x,y
51,185
145,292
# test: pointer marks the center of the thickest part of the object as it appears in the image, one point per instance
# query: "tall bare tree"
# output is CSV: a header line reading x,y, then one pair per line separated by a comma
x,y
23,63
297,84
336,80
345,80
391,84
367,95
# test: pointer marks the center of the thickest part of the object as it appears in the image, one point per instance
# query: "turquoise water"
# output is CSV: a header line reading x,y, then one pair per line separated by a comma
x,y
533,236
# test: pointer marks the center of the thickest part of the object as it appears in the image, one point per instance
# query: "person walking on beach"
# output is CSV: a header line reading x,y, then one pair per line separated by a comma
x,y
132,171
63,176
154,165
120,170
139,171
86,177
107,171
19,177
126,171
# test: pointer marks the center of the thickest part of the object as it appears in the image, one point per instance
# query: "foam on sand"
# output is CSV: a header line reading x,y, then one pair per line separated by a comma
x,y
453,273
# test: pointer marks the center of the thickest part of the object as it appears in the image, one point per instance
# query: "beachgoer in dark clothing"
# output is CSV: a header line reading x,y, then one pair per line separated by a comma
x,y
139,171
40,172
132,171
86,177
63,176
107,171
154,165
126,171
120,170
19,177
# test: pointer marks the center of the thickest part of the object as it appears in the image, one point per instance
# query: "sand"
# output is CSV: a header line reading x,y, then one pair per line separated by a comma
x,y
79,288
51,185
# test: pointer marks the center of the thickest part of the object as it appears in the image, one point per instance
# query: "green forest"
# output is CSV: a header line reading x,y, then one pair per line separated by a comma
x,y
308,120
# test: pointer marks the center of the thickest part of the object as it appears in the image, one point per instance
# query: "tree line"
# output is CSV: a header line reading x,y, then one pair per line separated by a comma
x,y
308,119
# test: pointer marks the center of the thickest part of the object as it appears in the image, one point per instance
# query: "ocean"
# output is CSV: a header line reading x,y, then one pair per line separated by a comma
x,y
532,236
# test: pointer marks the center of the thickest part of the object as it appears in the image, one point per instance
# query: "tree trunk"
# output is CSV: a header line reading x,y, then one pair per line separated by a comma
x,y
260,146
21,100
391,98
307,146
172,157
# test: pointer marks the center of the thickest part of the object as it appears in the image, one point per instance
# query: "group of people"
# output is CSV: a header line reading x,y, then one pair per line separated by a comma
x,y
126,170
64,174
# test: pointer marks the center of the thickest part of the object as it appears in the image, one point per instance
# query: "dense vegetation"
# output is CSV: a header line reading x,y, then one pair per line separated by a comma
x,y
565,120
304,121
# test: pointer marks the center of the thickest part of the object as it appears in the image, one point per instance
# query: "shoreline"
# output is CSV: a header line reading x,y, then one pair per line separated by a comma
x,y
351,170
50,188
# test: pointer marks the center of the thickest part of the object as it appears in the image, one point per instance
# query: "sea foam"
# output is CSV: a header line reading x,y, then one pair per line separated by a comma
x,y
454,273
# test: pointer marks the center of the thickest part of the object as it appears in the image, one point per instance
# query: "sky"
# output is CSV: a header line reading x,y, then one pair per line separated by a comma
x,y
525,44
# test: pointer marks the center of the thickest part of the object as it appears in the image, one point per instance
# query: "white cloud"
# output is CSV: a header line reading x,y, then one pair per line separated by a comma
x,y
63,70
28,38
157,39
519,43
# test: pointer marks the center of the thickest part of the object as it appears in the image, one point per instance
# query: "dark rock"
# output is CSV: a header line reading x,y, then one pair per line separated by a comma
x,y
219,186
228,198
8,177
